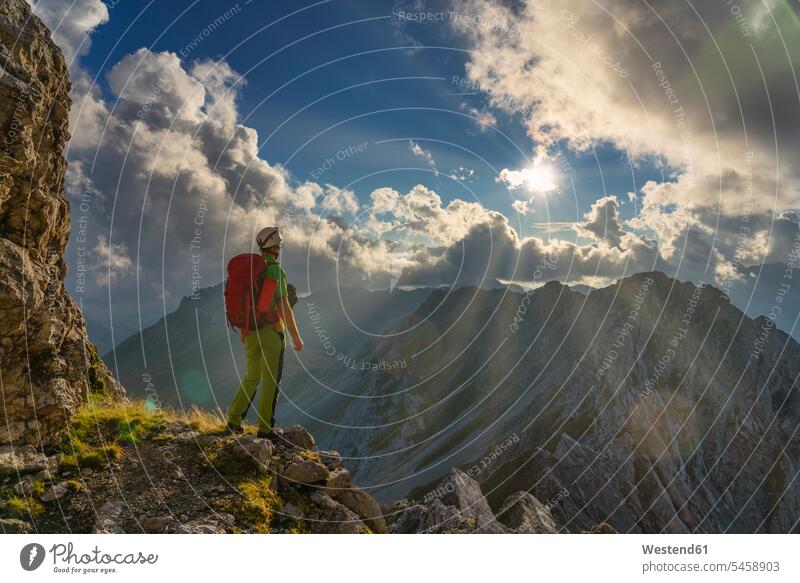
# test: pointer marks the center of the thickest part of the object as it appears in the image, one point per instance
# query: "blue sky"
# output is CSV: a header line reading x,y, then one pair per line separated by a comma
x,y
382,99
355,103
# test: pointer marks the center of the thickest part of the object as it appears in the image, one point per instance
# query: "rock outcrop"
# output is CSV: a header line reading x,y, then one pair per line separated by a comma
x,y
125,469
48,365
458,506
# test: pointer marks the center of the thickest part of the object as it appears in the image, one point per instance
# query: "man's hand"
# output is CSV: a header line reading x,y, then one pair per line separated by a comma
x,y
298,344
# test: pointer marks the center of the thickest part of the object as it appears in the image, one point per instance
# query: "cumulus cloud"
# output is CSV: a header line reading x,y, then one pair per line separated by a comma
x,y
71,23
603,223
493,251
523,207
583,76
111,262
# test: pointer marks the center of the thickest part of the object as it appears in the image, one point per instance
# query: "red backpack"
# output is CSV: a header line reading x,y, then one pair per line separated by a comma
x,y
246,274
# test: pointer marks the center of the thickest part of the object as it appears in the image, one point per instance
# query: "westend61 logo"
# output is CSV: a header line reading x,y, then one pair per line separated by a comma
x,y
66,560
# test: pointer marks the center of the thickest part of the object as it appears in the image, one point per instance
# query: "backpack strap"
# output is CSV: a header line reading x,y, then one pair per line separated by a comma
x,y
267,294
246,330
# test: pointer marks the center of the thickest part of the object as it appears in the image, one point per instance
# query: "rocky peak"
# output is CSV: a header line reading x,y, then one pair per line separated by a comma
x,y
457,505
48,364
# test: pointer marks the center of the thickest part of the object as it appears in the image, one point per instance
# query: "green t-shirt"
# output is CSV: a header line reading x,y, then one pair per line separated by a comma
x,y
275,271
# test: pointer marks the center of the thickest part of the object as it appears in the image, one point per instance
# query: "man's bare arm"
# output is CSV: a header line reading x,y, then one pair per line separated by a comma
x,y
288,317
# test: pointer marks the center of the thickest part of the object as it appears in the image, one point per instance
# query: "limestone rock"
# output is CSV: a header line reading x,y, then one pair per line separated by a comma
x,y
253,450
54,492
331,459
290,509
523,513
22,459
339,479
298,437
14,526
464,493
330,516
306,472
49,365
364,506
456,505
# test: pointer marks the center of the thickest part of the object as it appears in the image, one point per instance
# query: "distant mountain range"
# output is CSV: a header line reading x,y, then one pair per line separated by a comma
x,y
651,404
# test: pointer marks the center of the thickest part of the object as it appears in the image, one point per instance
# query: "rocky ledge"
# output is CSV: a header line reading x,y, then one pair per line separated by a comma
x,y
122,469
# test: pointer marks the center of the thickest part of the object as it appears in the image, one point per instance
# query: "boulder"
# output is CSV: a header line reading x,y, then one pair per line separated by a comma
x,y
364,506
339,479
306,472
54,492
290,509
524,513
22,459
329,516
331,459
253,450
296,436
14,526
441,519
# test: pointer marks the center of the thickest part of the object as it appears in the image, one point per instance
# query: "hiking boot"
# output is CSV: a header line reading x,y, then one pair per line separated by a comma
x,y
271,435
233,428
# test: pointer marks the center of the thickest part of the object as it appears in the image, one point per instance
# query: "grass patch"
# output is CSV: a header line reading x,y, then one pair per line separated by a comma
x,y
95,432
37,489
88,456
204,421
18,507
254,507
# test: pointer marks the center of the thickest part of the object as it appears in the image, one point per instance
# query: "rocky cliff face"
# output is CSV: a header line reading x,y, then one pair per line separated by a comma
x,y
48,365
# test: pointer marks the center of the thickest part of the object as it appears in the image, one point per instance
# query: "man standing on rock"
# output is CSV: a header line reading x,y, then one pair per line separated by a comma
x,y
260,308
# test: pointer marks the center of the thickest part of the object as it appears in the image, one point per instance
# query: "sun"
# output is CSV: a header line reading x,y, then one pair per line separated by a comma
x,y
537,178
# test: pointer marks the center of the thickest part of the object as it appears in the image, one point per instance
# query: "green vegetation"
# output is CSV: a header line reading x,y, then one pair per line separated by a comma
x,y
97,385
17,507
100,427
255,505
37,489
309,455
204,421
95,431
298,525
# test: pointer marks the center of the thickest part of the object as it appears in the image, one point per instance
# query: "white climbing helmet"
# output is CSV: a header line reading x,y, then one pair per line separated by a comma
x,y
269,237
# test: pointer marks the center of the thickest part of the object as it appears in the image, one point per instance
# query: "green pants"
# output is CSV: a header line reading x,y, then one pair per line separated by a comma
x,y
264,357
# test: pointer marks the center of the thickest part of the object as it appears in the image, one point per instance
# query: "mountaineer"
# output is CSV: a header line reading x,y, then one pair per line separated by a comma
x,y
257,302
